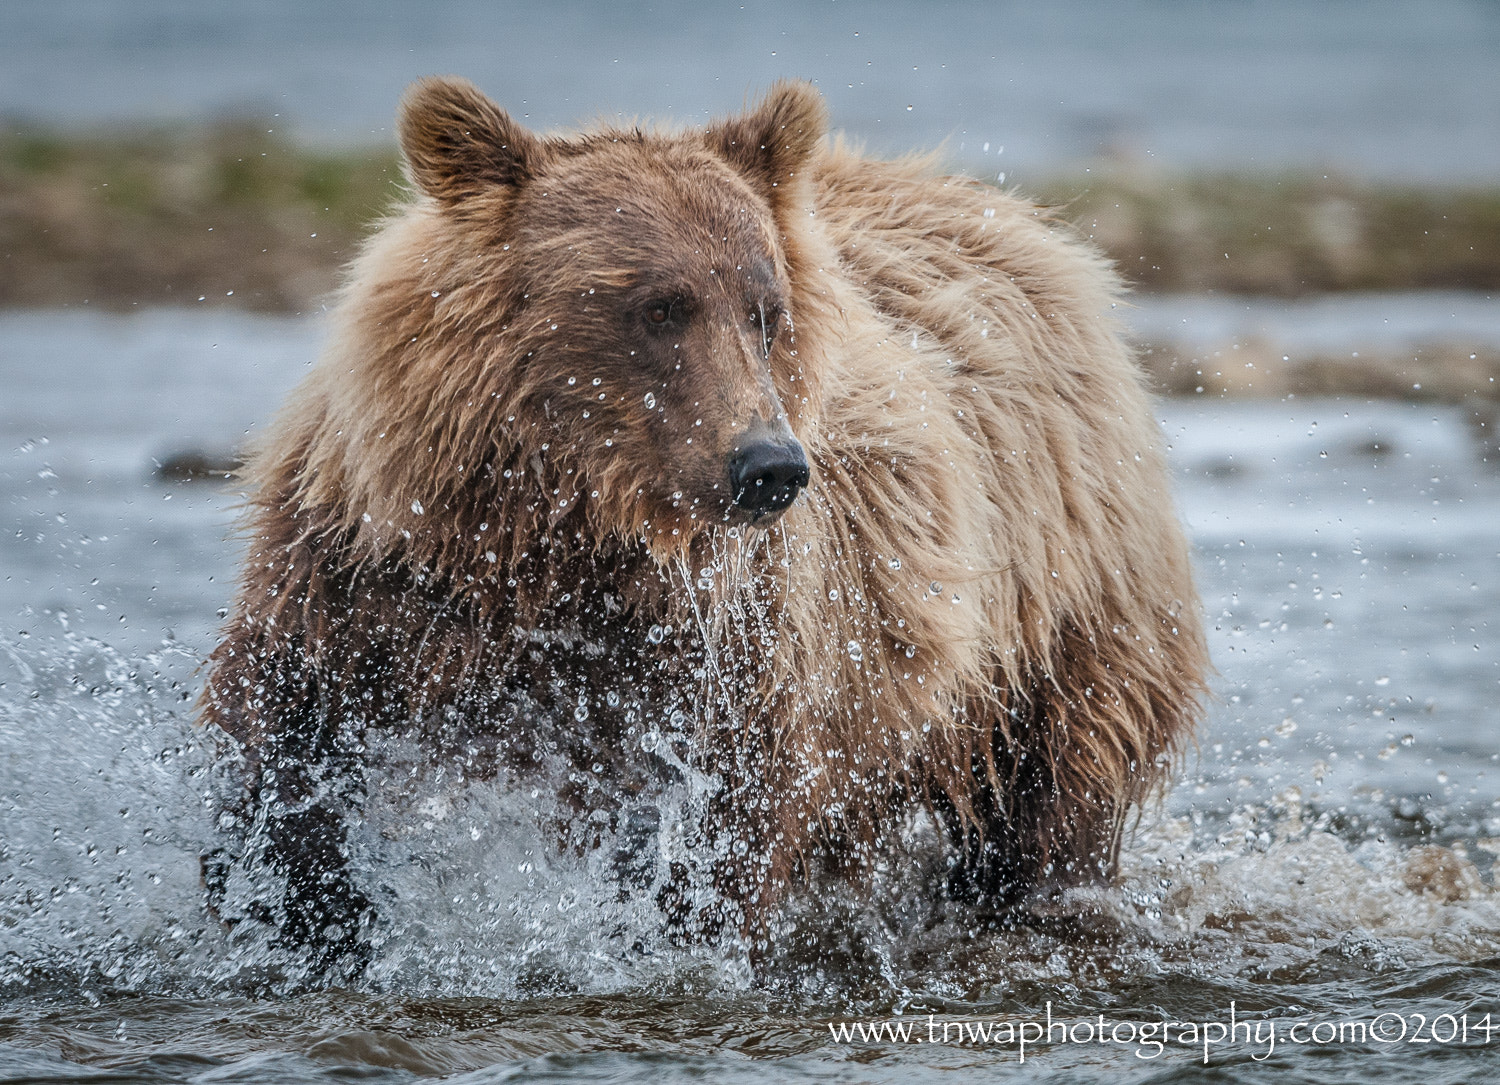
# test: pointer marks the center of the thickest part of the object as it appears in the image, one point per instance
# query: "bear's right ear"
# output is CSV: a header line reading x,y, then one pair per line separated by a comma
x,y
458,143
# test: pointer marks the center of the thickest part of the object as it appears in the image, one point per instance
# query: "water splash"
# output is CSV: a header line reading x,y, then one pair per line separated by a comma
x,y
102,782
491,887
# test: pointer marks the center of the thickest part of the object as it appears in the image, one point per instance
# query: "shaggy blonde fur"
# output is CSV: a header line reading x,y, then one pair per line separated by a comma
x,y
982,602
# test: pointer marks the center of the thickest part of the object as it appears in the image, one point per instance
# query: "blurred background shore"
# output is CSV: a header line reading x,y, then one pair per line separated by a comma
x,y
235,215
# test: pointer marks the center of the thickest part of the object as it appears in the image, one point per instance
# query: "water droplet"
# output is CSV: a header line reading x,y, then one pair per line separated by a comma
x,y
416,506
650,401
856,650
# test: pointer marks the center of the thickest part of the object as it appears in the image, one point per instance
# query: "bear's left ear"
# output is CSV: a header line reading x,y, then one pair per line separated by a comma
x,y
770,144
458,143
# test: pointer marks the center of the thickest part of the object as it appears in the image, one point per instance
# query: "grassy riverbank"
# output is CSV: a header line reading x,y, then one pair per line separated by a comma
x,y
228,215
1287,236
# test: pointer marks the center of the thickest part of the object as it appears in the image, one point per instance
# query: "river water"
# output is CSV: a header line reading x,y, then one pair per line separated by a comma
x,y
1326,857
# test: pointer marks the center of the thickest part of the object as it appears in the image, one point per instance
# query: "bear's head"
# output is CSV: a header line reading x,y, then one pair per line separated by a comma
x,y
608,321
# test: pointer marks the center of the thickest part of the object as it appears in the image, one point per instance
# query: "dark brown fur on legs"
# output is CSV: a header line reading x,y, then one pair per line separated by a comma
x,y
295,828
995,864
1000,850
303,779
323,911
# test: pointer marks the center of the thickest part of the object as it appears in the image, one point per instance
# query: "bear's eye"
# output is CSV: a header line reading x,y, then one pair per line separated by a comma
x,y
663,311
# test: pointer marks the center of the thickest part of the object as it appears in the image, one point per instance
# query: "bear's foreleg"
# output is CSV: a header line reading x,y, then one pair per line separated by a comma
x,y
1037,814
301,779
323,912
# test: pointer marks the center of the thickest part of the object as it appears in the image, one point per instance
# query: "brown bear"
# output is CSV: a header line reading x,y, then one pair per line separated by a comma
x,y
727,451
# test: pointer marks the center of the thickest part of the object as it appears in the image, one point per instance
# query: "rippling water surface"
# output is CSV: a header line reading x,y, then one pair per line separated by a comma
x,y
1325,859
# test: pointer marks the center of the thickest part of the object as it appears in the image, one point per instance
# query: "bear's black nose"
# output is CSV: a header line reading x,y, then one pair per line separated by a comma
x,y
766,475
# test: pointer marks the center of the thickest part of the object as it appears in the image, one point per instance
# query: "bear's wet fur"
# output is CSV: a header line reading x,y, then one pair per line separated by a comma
x,y
522,511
